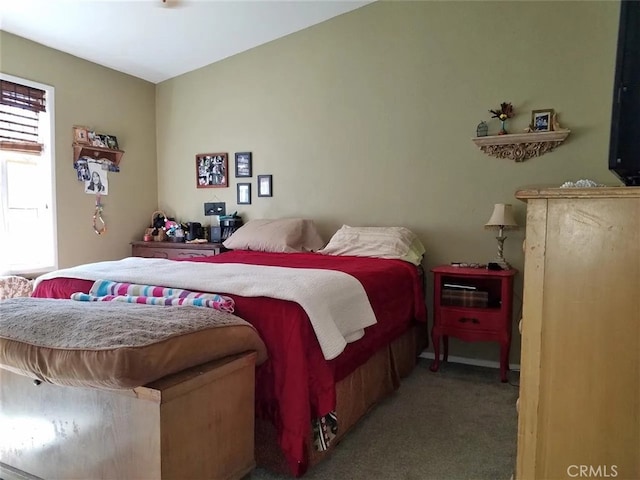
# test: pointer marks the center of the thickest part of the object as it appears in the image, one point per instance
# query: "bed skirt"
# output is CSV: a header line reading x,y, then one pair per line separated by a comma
x,y
356,394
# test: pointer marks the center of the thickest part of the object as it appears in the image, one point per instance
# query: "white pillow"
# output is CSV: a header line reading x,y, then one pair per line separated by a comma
x,y
415,253
280,235
382,242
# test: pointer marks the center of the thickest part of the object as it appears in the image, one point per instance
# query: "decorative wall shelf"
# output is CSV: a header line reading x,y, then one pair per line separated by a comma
x,y
97,153
521,146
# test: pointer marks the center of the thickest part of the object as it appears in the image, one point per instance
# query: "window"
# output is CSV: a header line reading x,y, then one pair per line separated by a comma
x,y
27,206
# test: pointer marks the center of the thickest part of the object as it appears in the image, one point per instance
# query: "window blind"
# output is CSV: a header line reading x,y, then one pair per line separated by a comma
x,y
19,109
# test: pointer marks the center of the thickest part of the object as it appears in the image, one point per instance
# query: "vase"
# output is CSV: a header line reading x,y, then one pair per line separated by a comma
x,y
503,131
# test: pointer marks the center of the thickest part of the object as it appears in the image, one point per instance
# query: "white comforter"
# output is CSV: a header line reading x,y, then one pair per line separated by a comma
x,y
336,303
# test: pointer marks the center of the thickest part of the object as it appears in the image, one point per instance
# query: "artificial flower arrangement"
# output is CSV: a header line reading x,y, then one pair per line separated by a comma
x,y
174,230
163,227
503,113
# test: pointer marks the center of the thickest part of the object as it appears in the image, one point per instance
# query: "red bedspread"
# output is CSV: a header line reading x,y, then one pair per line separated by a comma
x,y
297,384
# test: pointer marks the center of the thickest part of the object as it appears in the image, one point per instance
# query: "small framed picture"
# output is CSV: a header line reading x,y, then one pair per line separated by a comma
x,y
244,194
81,135
110,141
243,164
96,140
541,120
265,186
211,170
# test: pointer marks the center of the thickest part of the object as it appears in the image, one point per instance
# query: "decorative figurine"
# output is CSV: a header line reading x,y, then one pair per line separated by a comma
x,y
482,130
555,124
505,112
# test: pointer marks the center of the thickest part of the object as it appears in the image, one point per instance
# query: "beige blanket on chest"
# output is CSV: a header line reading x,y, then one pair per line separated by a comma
x,y
115,345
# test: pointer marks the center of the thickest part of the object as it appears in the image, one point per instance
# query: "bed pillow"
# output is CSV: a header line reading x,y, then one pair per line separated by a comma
x,y
415,253
382,242
280,235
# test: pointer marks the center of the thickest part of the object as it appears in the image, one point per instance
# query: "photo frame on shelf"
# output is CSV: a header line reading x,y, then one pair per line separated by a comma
x,y
265,185
243,164
81,135
110,141
211,170
244,194
96,140
542,120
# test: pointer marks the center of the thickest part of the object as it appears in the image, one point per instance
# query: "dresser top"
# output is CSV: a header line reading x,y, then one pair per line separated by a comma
x,y
570,192
178,245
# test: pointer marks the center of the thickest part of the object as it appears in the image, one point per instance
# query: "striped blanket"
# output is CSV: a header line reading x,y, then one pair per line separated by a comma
x,y
108,291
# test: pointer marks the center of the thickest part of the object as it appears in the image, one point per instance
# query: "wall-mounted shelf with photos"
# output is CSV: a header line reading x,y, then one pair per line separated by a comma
x,y
520,147
97,146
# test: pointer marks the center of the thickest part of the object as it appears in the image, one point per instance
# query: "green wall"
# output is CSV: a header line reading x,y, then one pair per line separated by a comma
x,y
109,102
367,119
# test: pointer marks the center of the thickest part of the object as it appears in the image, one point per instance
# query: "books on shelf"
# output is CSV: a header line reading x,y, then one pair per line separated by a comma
x,y
461,297
459,286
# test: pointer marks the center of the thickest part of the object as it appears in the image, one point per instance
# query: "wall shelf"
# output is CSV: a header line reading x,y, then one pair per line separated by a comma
x,y
521,146
97,153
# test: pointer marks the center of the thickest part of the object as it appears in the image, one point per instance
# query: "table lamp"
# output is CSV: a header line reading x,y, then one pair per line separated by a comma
x,y
502,219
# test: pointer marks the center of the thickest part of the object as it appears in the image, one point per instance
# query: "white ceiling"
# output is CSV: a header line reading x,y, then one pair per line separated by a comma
x,y
154,40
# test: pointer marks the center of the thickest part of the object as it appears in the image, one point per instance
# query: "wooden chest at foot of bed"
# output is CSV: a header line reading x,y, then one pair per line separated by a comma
x,y
198,423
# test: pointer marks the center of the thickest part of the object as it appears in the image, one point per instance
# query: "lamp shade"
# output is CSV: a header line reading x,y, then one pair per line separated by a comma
x,y
502,216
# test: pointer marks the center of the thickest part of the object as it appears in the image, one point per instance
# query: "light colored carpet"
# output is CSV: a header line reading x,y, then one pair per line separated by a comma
x,y
459,423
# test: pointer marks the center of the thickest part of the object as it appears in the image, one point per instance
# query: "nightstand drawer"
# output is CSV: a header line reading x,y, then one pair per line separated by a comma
x,y
174,251
172,254
471,319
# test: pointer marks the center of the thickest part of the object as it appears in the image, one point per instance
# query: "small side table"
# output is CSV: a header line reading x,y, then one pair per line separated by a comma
x,y
472,304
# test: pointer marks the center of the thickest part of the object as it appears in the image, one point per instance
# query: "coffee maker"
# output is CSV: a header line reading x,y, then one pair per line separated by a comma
x,y
194,231
228,225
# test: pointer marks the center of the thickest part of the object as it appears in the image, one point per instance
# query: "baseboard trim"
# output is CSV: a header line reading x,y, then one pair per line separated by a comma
x,y
470,361
8,472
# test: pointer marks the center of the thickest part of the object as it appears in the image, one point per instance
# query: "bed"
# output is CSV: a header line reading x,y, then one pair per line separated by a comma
x,y
300,394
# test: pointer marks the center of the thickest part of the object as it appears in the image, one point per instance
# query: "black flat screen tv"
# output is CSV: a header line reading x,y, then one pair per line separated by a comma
x,y
624,144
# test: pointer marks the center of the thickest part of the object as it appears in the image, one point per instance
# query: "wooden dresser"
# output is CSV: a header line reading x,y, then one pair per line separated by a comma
x,y
579,412
175,251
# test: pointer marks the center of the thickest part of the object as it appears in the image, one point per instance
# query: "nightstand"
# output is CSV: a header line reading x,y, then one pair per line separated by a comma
x,y
472,304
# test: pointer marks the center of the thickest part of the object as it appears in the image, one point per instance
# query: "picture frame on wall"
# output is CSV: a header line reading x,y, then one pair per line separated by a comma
x,y
243,164
542,120
244,194
211,170
265,185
